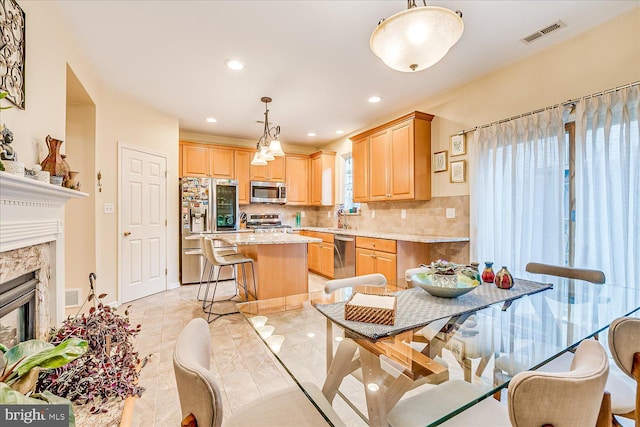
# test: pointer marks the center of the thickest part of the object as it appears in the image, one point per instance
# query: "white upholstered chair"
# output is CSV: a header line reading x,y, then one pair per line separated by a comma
x,y
201,399
593,276
624,344
563,399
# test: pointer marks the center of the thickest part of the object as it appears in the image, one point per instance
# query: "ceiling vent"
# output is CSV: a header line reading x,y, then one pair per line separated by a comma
x,y
543,32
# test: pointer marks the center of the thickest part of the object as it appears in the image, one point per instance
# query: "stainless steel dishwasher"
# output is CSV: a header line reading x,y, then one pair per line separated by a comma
x,y
344,256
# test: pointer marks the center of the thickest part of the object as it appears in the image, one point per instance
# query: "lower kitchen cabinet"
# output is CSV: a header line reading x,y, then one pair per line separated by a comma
x,y
376,256
320,254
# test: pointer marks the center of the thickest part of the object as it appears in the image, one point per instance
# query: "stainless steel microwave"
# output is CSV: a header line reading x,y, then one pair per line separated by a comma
x,y
268,192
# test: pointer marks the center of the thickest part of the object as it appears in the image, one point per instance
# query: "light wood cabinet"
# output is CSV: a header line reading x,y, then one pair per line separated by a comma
x,y
221,163
195,161
323,178
360,159
320,254
376,256
242,166
297,167
393,161
272,171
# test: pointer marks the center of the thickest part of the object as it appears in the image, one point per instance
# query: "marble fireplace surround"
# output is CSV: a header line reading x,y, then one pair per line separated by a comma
x,y
32,239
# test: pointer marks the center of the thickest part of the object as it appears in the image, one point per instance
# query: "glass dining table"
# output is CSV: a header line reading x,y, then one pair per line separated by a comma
x,y
424,374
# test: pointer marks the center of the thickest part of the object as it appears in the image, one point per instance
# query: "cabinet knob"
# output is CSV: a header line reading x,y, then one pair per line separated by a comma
x,y
373,244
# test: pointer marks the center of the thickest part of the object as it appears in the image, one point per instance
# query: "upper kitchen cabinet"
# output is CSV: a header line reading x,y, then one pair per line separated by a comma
x,y
221,162
297,167
195,161
274,170
393,161
242,169
323,165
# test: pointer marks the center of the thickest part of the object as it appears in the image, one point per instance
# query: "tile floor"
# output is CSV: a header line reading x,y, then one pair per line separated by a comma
x,y
243,366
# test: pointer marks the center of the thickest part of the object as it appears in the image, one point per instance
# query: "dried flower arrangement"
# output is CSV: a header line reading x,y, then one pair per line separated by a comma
x,y
109,369
444,267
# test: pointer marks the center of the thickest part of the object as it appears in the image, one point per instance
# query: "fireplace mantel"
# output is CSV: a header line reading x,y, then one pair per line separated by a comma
x,y
32,213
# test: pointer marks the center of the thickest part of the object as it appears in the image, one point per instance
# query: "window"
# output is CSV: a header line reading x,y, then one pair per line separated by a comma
x,y
347,184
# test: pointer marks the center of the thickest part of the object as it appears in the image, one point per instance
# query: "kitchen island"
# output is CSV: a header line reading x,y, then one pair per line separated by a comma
x,y
279,259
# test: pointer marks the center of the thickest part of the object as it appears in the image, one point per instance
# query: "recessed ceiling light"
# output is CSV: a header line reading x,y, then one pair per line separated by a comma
x,y
374,99
311,134
234,64
211,120
339,132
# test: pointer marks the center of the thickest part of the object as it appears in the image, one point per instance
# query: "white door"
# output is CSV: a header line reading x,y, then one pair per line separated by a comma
x,y
143,228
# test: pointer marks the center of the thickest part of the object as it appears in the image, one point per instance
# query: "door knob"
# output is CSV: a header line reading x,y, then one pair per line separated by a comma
x,y
127,233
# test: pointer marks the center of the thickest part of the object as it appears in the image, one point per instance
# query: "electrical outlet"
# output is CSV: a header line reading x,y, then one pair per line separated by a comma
x,y
109,208
373,214
451,213
302,214
403,214
328,214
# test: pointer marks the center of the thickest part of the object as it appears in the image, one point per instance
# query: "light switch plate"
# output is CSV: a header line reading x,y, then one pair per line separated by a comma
x,y
373,214
302,214
403,214
109,208
451,212
328,214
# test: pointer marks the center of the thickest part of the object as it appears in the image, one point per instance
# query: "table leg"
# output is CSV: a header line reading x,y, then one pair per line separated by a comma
x,y
341,366
372,374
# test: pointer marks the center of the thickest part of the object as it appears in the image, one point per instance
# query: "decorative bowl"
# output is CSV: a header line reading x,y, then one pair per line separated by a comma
x,y
463,285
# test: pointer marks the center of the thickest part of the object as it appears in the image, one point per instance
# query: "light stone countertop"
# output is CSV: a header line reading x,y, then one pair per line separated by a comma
x,y
265,238
196,236
419,238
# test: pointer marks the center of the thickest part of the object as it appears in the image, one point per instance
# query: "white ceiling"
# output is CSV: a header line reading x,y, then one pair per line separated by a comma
x,y
311,57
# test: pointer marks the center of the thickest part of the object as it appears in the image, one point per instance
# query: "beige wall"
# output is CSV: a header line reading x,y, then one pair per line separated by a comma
x,y
50,48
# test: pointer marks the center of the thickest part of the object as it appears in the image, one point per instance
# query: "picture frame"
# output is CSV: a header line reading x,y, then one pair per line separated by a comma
x,y
12,49
458,145
440,161
458,171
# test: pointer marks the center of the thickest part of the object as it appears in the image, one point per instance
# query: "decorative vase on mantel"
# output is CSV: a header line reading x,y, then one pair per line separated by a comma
x,y
504,279
53,163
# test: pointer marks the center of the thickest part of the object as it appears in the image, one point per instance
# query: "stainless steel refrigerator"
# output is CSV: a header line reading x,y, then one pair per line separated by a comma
x,y
206,206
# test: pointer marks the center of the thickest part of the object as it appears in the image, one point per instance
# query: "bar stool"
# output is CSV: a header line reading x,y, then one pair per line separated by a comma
x,y
220,261
221,252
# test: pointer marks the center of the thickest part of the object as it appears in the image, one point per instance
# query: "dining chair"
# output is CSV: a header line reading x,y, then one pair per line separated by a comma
x,y
593,276
571,398
217,260
201,398
624,344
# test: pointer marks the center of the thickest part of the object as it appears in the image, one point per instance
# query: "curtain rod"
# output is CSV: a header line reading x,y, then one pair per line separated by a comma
x,y
571,102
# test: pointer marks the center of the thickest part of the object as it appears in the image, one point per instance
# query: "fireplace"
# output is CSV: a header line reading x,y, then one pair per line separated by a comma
x,y
17,309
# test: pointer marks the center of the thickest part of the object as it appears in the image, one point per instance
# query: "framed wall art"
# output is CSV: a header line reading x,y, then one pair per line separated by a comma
x,y
458,145
458,171
440,161
12,51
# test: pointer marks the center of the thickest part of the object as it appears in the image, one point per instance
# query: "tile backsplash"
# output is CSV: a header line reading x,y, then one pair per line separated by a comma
x,y
421,217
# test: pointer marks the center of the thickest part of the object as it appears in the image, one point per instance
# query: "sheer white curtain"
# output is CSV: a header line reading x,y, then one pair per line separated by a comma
x,y
608,185
517,195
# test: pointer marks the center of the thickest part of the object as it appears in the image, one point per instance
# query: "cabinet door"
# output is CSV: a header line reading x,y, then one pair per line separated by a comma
x,y
364,262
277,169
402,163
195,161
386,265
360,176
315,257
297,180
327,259
221,163
260,173
242,166
379,165
316,181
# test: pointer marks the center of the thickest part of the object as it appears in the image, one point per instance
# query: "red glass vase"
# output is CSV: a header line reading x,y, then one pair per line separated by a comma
x,y
504,279
487,273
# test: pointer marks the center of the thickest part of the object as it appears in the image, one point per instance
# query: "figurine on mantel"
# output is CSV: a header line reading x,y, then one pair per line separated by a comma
x,y
6,150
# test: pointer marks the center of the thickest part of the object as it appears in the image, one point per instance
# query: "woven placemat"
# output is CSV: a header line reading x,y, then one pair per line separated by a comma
x,y
416,308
